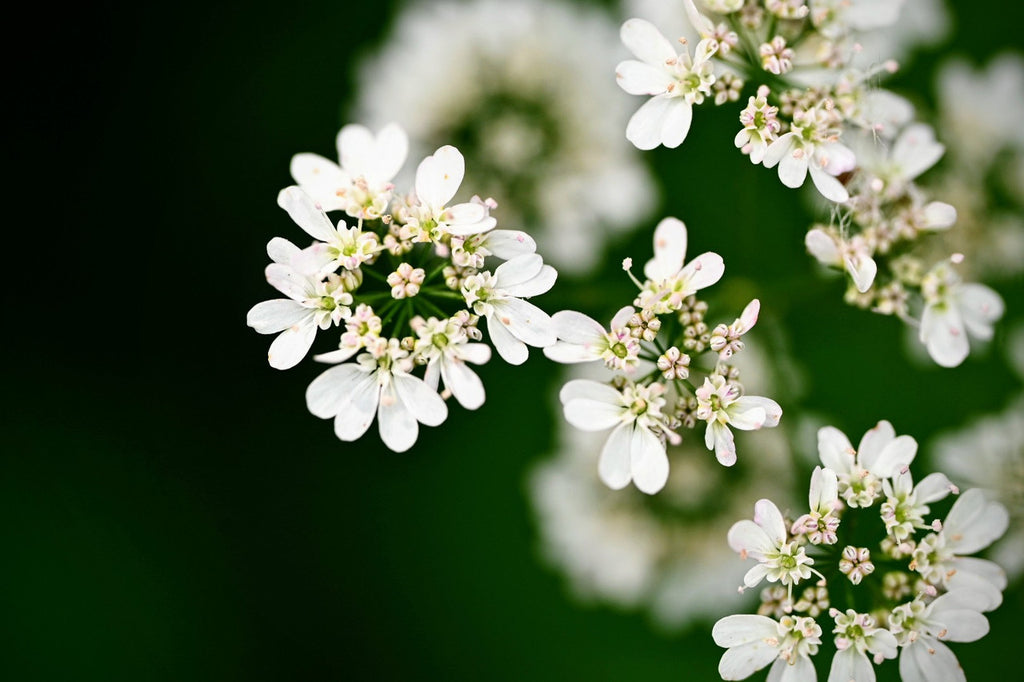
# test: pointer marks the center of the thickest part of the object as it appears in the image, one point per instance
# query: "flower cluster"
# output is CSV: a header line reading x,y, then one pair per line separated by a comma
x,y
655,350
407,285
815,113
891,580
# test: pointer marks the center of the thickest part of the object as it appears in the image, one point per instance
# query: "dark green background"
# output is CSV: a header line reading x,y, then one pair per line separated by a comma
x,y
168,508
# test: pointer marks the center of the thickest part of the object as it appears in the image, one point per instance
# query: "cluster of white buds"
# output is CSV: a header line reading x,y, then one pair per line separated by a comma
x,y
908,591
655,348
856,141
407,284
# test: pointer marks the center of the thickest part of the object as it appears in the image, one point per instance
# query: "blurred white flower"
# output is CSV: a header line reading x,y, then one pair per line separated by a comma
x,y
952,309
522,88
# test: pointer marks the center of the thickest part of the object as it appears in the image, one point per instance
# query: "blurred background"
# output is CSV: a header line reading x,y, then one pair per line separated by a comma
x,y
169,510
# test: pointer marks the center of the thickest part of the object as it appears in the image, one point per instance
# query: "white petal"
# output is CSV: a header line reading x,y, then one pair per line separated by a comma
x,y
589,390
475,353
792,169
894,458
439,176
525,321
639,78
928,660
306,213
518,270
741,661
333,389
512,350
703,271
835,450
980,307
465,214
592,415
570,353
768,516
577,328
321,178
939,215
874,440
830,187
645,126
539,284
943,334
676,123
392,150
863,270
801,670
398,427
932,488
772,410
779,149
747,536
648,461
425,405
745,415
823,247
646,42
281,250
743,628
292,344
669,250
621,318
289,281
613,466
974,522
270,317
356,149
748,318
355,417
725,444
916,150
336,356
464,384
507,244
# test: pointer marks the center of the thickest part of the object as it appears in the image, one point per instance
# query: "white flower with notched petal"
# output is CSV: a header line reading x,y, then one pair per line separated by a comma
x,y
669,282
353,393
720,404
512,322
881,454
312,302
921,630
952,309
812,146
755,641
340,246
856,637
675,81
438,178
444,345
779,557
855,255
361,185
974,523
582,339
635,450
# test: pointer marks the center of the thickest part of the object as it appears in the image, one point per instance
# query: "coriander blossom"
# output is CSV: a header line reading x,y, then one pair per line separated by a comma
x,y
812,145
854,255
780,559
952,310
755,641
923,628
669,282
857,635
438,178
444,346
880,454
583,339
675,81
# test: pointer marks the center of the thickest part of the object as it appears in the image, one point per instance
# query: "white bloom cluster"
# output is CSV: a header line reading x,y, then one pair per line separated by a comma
x,y
654,347
408,284
814,113
893,582
522,88
661,554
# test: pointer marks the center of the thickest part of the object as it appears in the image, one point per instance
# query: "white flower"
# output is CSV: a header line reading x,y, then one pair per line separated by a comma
x,y
906,505
676,81
669,282
583,339
854,255
857,636
438,178
812,145
340,246
445,347
512,322
353,393
720,404
361,186
860,472
821,523
952,309
779,558
725,340
972,524
922,628
634,450
755,641
311,303
914,151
